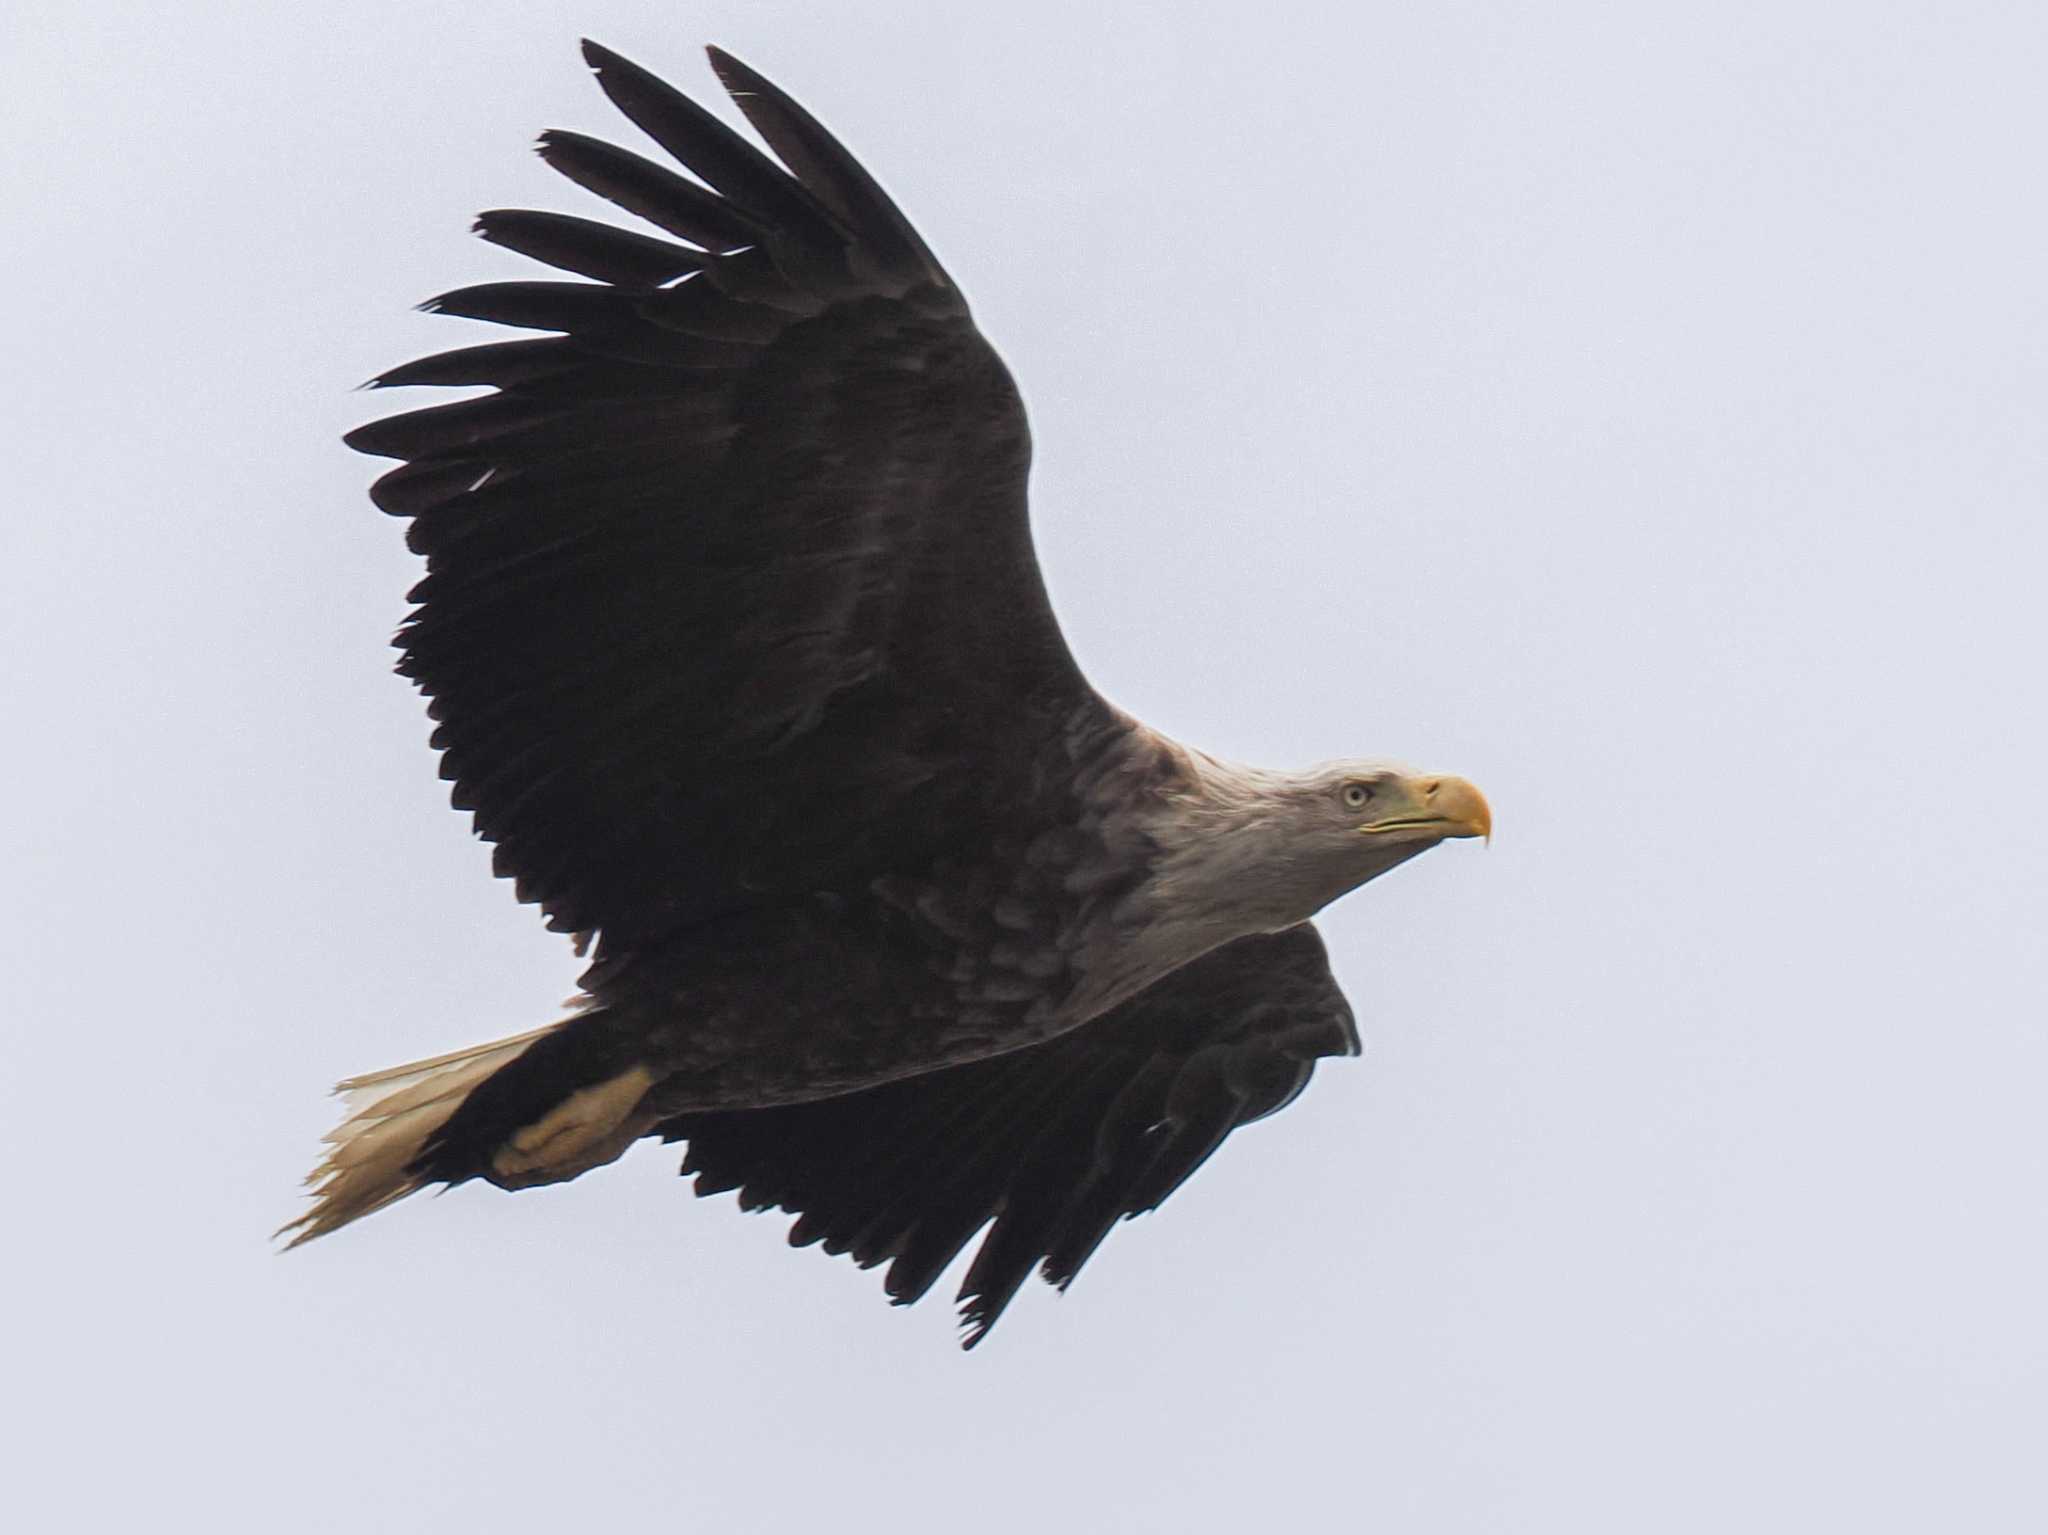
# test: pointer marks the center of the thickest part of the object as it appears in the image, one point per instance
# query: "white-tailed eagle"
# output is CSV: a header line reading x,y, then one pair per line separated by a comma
x,y
740,656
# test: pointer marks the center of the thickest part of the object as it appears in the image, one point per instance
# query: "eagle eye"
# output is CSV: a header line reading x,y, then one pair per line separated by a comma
x,y
1356,794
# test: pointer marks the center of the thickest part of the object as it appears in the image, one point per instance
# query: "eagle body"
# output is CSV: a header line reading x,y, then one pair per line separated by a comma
x,y
738,652
965,954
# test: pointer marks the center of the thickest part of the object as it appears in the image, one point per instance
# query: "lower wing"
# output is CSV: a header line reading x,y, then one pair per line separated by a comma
x,y
1053,1144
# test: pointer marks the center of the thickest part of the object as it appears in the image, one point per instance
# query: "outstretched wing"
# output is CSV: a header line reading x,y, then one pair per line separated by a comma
x,y
730,588
1054,1143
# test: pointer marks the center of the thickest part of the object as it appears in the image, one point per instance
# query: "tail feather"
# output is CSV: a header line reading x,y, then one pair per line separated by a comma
x,y
391,1115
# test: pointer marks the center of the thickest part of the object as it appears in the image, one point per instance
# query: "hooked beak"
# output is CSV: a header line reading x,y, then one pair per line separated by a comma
x,y
1433,806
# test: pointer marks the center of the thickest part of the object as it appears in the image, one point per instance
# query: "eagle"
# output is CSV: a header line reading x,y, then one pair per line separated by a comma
x,y
739,655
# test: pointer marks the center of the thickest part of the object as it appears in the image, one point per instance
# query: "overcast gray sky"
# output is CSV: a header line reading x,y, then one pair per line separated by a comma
x,y
1638,409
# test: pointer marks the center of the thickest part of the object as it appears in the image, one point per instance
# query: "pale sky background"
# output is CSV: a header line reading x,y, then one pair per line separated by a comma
x,y
1637,408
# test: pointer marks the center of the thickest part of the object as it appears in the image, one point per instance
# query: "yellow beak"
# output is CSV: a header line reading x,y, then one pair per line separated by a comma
x,y
1437,806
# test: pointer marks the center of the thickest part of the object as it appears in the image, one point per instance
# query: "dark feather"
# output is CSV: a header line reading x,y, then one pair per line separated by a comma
x,y
589,248
505,363
411,489
444,431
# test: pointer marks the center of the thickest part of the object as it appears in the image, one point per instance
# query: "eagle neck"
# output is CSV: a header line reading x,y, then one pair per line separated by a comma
x,y
1215,842
1226,854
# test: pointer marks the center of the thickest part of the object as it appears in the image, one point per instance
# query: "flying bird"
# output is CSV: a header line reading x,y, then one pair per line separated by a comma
x,y
739,654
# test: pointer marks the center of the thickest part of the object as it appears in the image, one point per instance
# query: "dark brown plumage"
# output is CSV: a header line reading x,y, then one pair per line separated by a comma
x,y
738,652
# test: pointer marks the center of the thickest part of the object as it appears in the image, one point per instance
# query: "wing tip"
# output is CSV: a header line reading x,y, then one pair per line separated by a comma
x,y
734,75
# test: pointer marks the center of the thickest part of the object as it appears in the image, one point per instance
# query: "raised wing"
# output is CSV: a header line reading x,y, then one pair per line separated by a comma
x,y
1054,1143
730,585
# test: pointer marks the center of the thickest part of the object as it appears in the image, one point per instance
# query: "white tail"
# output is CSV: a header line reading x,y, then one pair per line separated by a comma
x,y
391,1115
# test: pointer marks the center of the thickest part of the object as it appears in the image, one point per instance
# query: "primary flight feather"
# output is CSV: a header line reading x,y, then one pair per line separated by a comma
x,y
739,654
